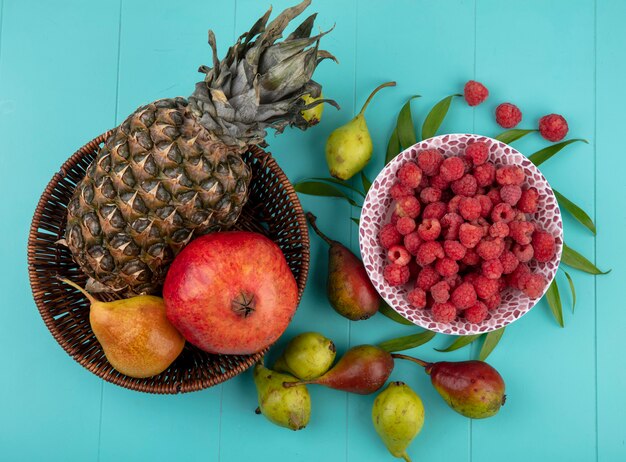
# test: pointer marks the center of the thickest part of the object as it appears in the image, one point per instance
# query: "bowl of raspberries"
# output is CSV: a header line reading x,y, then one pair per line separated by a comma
x,y
461,234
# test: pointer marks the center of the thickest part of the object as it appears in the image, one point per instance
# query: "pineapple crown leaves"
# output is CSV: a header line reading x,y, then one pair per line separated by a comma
x,y
260,82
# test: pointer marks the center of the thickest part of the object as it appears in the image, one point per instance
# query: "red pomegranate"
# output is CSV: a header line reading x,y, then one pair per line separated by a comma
x,y
230,292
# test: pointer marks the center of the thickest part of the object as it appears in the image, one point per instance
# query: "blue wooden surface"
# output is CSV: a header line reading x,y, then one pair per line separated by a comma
x,y
71,69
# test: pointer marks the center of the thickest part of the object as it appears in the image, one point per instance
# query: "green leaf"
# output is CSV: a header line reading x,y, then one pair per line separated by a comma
x,y
356,220
392,314
554,301
571,288
367,184
317,188
393,147
407,342
491,340
336,181
513,135
406,130
435,117
578,213
460,342
572,258
544,154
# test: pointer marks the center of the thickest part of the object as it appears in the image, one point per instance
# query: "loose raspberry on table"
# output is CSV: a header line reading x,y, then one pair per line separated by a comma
x,y
470,208
389,236
465,186
528,201
470,235
524,253
405,225
511,194
493,302
499,229
443,312
430,194
508,115
502,212
438,182
427,278
476,313
521,271
485,174
544,246
489,248
396,275
446,267
417,298
429,161
485,287
471,258
522,231
463,296
533,285
454,249
452,168
509,262
412,241
494,196
477,152
553,127
492,269
399,190
485,205
475,93
410,175
408,206
428,252
399,255
435,210
451,223
440,292
429,229
510,174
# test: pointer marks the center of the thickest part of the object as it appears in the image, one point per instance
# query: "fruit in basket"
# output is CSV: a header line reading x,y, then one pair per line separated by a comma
x,y
349,289
398,416
364,369
349,147
307,356
471,388
173,169
231,292
134,333
287,407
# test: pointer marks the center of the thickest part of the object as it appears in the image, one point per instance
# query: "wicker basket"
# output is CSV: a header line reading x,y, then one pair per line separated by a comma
x,y
273,209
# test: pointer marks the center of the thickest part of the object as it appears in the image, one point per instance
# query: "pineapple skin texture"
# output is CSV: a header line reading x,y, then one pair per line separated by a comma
x,y
160,180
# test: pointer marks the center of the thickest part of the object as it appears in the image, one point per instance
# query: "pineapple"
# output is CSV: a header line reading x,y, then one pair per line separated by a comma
x,y
173,169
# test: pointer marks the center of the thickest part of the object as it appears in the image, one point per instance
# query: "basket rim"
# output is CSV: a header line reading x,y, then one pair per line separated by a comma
x,y
196,384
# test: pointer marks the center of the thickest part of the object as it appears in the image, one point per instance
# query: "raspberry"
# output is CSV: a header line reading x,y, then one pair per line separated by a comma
x,y
438,182
471,258
454,249
528,201
475,93
499,229
417,298
501,284
510,174
396,275
492,269
452,168
489,248
485,287
394,218
485,174
398,255
389,236
410,175
476,313
446,267
485,205
471,278
453,204
533,285
408,206
444,312
502,212
427,278
470,235
435,210
509,262
477,152
399,190
454,281
470,208
429,229
440,292
508,115
524,253
522,231
484,224
493,302
428,252
429,161
520,272
405,225
553,127
412,242
451,223
494,196
430,194
465,186
544,246
467,163
463,296
510,194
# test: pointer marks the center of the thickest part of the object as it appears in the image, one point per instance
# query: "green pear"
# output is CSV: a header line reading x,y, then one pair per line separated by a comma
x,y
286,407
398,416
349,147
307,356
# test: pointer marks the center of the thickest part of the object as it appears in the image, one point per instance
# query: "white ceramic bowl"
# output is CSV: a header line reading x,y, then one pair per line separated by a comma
x,y
378,207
